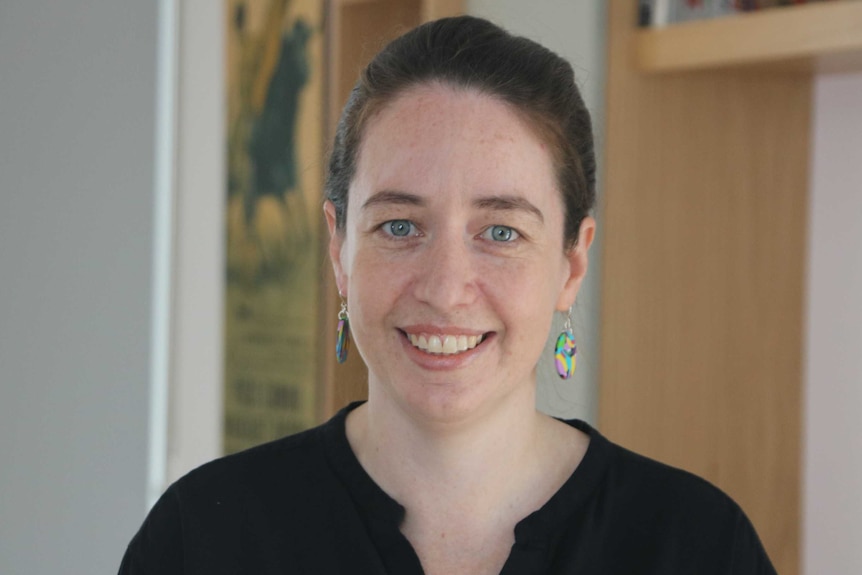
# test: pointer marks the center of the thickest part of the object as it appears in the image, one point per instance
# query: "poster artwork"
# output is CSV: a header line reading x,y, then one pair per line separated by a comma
x,y
274,142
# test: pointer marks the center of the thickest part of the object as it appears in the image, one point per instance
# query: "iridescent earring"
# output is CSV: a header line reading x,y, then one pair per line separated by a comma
x,y
342,334
565,351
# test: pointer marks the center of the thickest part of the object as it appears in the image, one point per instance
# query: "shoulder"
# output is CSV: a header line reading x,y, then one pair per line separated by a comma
x,y
652,489
668,487
673,511
650,486
285,461
211,517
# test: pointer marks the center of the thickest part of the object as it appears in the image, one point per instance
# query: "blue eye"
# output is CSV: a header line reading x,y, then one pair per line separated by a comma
x,y
399,228
501,234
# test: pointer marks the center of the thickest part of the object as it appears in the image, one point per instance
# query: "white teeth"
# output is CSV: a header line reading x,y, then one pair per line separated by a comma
x,y
462,343
446,344
435,345
450,344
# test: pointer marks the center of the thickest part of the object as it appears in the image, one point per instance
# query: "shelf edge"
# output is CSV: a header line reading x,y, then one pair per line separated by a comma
x,y
815,36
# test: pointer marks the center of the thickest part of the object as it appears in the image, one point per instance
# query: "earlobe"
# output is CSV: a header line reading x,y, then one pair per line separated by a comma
x,y
336,240
577,260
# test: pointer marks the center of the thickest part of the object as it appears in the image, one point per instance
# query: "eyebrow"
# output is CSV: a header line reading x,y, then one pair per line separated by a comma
x,y
509,203
497,202
393,197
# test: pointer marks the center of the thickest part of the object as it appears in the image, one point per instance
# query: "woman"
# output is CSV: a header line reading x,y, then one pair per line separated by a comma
x,y
458,199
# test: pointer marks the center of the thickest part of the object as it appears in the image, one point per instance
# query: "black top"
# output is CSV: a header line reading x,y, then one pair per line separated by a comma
x,y
304,504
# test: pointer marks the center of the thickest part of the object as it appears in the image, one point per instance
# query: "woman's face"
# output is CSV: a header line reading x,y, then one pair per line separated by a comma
x,y
452,257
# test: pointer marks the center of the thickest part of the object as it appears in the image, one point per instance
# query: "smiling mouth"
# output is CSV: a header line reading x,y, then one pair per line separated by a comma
x,y
444,344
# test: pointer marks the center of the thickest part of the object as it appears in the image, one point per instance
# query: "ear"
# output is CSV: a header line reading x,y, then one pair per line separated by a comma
x,y
336,242
577,260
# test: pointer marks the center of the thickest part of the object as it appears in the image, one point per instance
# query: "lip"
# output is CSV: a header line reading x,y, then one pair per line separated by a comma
x,y
439,362
429,329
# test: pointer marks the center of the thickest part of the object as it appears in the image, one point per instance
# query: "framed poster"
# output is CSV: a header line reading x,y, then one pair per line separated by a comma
x,y
274,82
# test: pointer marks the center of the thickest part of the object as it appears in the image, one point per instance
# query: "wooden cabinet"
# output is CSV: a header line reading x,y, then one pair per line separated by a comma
x,y
704,215
356,31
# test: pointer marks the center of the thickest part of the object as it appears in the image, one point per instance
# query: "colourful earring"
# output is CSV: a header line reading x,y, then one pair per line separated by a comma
x,y
342,334
565,351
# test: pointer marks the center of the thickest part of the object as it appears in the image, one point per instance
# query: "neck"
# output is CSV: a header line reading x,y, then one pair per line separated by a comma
x,y
476,461
465,484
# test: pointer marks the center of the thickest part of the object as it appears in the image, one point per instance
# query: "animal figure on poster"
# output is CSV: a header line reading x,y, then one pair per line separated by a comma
x,y
268,226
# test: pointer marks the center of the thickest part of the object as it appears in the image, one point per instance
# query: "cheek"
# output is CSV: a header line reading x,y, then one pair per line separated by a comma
x,y
535,276
375,284
526,290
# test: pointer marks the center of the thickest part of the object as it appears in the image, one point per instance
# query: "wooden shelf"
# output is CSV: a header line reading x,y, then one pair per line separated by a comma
x,y
823,37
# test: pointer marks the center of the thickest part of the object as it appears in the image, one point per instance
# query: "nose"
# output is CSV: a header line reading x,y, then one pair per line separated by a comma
x,y
447,274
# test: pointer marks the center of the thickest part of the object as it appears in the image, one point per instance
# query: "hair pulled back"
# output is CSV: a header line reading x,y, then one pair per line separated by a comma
x,y
472,53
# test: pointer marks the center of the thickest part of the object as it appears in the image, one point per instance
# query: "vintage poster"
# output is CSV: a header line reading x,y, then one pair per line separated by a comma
x,y
274,70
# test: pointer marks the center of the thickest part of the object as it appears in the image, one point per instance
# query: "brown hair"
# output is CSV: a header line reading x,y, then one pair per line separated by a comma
x,y
472,53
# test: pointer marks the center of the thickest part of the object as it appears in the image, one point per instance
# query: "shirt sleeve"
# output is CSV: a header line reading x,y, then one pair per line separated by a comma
x,y
157,548
749,556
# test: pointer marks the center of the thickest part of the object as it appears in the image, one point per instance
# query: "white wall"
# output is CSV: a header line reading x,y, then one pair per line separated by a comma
x,y
576,30
77,141
832,507
195,404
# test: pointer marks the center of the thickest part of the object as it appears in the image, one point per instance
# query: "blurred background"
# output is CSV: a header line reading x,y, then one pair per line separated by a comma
x,y
113,198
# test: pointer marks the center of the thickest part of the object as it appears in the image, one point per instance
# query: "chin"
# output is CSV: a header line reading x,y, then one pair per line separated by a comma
x,y
450,402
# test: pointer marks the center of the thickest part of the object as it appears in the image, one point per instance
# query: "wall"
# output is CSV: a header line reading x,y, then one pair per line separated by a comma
x,y
833,434
77,141
577,32
195,399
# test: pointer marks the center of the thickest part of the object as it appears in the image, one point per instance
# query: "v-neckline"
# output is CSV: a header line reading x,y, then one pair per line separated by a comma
x,y
536,535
